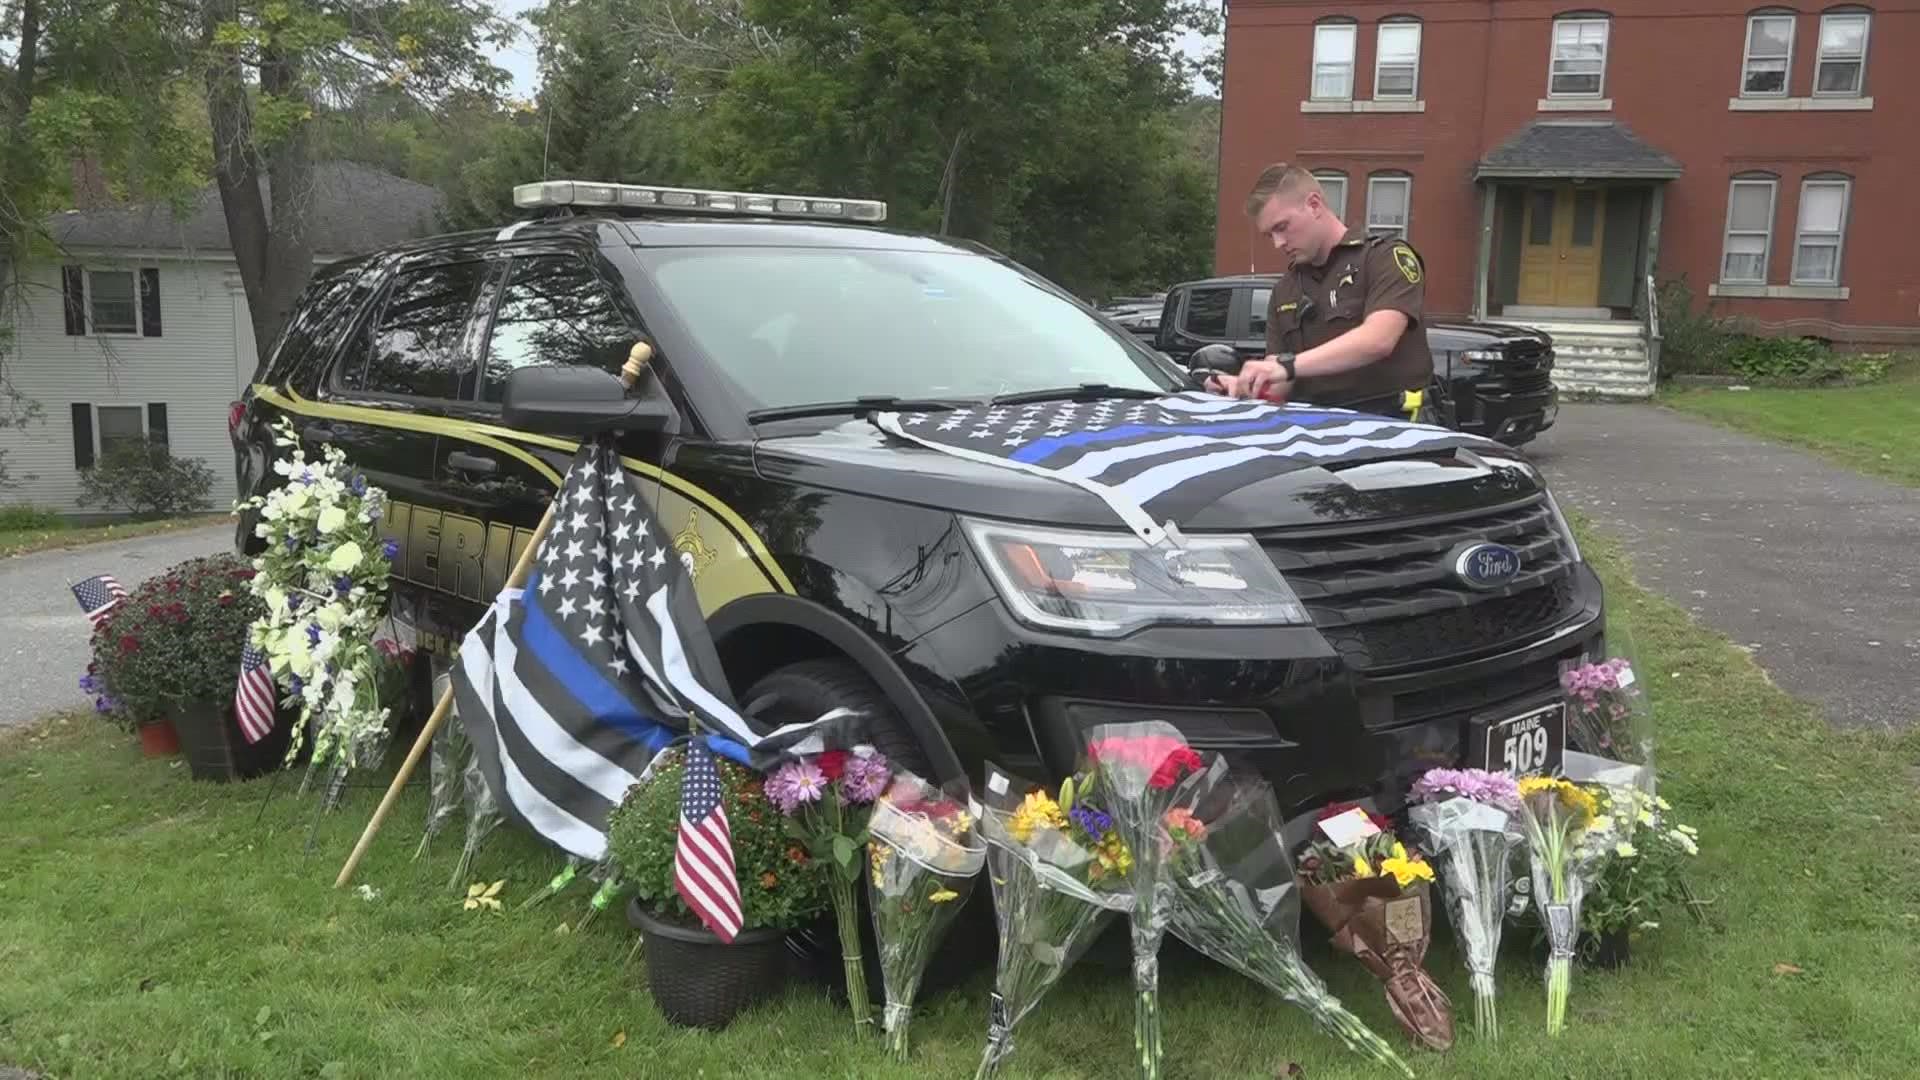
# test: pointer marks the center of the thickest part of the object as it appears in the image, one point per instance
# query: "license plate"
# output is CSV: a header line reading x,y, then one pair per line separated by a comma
x,y
1529,744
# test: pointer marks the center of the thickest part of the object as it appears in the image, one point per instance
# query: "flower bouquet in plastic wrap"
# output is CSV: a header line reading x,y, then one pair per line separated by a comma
x,y
1236,899
827,799
1376,897
1608,715
924,854
1469,820
1567,842
1137,770
1057,869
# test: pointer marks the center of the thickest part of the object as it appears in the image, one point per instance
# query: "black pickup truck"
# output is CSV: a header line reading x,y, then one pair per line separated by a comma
x,y
1488,379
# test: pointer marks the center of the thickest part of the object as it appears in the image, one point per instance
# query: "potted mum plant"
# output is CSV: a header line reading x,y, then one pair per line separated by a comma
x,y
170,654
697,980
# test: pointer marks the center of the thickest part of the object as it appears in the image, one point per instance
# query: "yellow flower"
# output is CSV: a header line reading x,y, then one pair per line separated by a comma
x,y
1406,871
1625,850
1113,854
1570,795
481,895
1038,811
344,558
944,895
1399,850
1361,867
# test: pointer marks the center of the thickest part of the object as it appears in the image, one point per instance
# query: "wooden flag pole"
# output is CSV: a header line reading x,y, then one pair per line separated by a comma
x,y
630,373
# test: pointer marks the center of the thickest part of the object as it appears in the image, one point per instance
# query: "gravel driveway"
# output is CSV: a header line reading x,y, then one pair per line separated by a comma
x,y
1813,567
43,633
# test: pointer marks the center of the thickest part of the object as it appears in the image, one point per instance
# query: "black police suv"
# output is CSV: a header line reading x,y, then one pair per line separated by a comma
x,y
1488,379
838,566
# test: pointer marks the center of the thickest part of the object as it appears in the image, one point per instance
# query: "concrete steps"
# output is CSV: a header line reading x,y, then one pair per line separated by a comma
x,y
1603,359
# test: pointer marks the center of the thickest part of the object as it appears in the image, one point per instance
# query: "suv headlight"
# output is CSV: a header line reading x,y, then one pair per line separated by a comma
x,y
1112,583
1482,356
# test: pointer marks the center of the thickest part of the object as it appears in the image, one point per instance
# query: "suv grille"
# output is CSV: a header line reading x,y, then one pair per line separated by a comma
x,y
1527,382
1528,350
1386,597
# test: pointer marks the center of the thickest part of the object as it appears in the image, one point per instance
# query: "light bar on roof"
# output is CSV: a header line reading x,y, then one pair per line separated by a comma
x,y
549,193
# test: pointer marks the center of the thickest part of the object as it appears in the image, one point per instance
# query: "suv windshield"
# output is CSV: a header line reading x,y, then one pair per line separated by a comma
x,y
796,326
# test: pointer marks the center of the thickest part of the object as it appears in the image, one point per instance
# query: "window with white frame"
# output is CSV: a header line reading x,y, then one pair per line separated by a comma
x,y
1396,65
1743,260
1578,66
120,425
1769,57
1333,45
1822,224
1389,199
1333,191
1840,66
113,302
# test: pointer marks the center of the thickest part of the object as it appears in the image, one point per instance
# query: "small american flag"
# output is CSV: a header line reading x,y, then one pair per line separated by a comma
x,y
98,597
253,695
703,860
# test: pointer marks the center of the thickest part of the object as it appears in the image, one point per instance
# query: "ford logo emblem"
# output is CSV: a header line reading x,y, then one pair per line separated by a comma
x,y
1482,565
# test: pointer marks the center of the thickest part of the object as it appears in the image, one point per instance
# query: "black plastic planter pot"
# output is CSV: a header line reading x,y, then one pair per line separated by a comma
x,y
215,750
697,981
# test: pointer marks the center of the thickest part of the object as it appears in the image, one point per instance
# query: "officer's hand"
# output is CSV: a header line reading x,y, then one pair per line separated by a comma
x,y
1278,391
1257,376
1221,383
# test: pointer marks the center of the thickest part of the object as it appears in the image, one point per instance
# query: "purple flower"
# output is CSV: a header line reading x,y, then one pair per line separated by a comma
x,y
343,584
358,485
1494,789
865,778
795,784
313,633
101,705
293,601
89,684
391,549
295,683
292,542
1094,823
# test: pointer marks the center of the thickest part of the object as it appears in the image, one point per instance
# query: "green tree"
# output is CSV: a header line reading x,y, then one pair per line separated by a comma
x,y
1037,126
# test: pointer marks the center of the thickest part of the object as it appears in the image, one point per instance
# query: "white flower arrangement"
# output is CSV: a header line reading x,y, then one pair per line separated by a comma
x,y
323,576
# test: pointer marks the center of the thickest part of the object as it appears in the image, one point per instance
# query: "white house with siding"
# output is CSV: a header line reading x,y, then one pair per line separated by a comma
x,y
139,329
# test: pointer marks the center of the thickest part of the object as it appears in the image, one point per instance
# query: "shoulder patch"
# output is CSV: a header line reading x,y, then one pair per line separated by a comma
x,y
1407,262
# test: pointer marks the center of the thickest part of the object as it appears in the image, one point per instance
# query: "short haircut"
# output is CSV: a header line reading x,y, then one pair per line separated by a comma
x,y
1281,179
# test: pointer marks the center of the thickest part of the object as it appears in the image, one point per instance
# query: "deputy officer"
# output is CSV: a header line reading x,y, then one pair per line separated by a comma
x,y
1343,327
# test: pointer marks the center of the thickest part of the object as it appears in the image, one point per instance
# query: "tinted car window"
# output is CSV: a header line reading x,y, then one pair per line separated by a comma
x,y
322,312
1257,306
792,326
414,346
555,311
1207,312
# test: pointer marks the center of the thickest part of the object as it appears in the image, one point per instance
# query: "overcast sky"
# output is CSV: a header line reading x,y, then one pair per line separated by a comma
x,y
522,61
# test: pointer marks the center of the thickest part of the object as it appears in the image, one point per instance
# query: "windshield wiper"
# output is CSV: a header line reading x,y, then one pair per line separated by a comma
x,y
1083,392
852,407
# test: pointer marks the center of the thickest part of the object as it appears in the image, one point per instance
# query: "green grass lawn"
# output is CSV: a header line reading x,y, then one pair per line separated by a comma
x,y
46,535
1875,429
154,927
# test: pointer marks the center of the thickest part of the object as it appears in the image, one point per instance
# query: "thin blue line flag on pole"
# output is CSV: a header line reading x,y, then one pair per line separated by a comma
x,y
571,685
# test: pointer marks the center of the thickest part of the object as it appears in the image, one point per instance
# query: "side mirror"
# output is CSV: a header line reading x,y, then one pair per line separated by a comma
x,y
579,402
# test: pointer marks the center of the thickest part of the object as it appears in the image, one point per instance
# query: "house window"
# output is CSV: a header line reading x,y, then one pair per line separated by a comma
x,y
1333,191
120,425
1396,68
1388,198
1816,240
99,429
1579,61
113,305
1333,45
1749,231
1840,68
1763,72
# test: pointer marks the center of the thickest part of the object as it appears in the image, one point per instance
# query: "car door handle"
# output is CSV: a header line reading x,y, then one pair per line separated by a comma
x,y
461,461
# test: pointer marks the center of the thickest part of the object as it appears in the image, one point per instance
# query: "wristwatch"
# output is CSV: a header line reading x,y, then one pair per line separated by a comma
x,y
1286,364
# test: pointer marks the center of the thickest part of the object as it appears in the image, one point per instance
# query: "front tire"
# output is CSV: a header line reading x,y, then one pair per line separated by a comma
x,y
805,691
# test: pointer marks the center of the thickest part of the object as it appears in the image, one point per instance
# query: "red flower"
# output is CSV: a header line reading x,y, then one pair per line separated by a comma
x,y
832,764
173,584
129,643
226,600
1165,758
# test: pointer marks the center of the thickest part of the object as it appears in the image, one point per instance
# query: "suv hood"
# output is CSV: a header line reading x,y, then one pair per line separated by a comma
x,y
1451,335
857,458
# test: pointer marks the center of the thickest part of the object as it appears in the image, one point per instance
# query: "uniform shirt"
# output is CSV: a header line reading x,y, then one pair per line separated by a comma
x,y
1312,305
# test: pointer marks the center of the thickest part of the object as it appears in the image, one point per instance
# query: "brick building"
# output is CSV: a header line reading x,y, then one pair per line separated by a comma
x,y
1549,160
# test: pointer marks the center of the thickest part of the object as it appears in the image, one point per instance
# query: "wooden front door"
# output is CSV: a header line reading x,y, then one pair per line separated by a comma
x,y
1560,246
